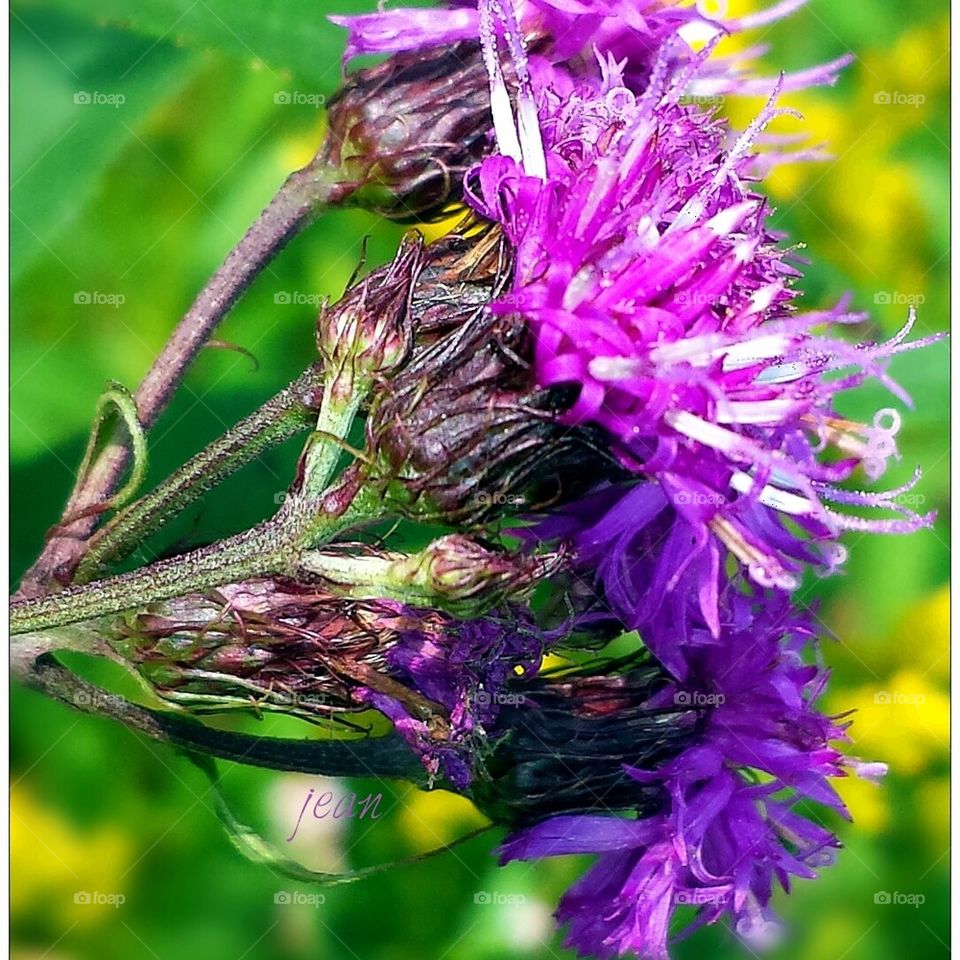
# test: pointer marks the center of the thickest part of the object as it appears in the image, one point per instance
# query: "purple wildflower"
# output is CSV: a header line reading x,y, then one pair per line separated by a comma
x,y
568,32
651,281
657,296
724,835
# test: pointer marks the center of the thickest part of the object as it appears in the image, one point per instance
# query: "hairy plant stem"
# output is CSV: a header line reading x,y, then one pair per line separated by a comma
x,y
272,547
300,199
323,453
27,648
290,412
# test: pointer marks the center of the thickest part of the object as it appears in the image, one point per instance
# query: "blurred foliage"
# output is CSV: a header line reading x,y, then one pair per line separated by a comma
x,y
133,198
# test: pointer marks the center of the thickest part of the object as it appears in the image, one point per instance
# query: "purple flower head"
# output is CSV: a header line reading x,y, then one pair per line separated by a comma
x,y
568,32
651,282
462,667
730,827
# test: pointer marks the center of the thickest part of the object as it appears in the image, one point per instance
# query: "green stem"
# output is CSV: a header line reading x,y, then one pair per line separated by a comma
x,y
252,553
289,412
353,571
324,451
273,547
386,756
27,648
465,586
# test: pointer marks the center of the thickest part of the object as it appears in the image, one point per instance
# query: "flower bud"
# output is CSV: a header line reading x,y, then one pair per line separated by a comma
x,y
407,130
472,577
463,434
462,273
366,335
266,644
463,694
456,574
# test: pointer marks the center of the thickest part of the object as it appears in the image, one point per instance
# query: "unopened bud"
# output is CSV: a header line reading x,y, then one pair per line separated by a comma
x,y
464,435
455,574
407,130
470,577
267,644
462,693
367,335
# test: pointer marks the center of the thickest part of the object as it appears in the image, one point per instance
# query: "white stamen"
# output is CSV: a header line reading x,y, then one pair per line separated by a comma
x,y
764,297
763,568
757,411
783,373
772,497
612,369
518,137
700,351
709,434
749,352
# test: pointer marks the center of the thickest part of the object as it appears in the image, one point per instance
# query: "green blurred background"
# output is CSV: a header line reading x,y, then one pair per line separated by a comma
x,y
134,202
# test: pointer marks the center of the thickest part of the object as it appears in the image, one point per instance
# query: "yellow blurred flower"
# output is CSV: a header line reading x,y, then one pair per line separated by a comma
x,y
59,872
296,153
903,719
434,231
867,802
863,201
432,818
933,809
918,63
923,635
905,722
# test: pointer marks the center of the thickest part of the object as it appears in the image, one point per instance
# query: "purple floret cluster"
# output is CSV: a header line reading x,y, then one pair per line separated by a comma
x,y
729,829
